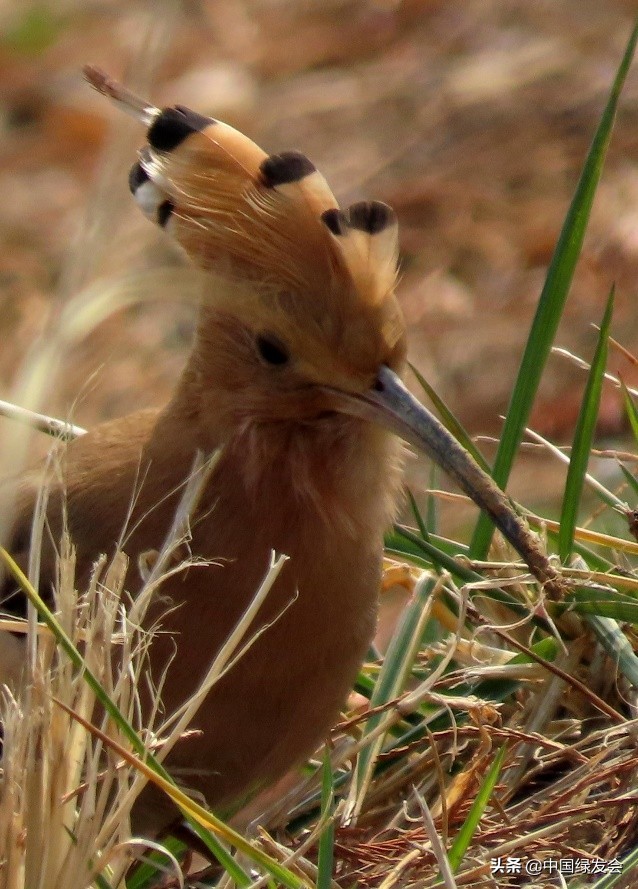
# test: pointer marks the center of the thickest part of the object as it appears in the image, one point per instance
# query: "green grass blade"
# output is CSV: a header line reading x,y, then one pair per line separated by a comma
x,y
632,482
418,518
146,874
450,421
616,644
628,864
465,834
583,437
602,602
630,409
552,299
325,862
407,545
432,507
398,662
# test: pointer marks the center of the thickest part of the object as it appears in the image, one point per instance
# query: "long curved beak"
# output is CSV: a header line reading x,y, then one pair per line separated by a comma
x,y
390,404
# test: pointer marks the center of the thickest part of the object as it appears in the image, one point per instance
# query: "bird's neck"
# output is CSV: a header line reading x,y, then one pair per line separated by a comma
x,y
343,471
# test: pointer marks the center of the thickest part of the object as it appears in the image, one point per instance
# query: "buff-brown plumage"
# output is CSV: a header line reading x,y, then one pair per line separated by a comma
x,y
294,376
287,310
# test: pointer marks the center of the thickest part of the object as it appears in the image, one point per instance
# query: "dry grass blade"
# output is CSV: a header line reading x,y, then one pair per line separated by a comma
x,y
68,786
58,786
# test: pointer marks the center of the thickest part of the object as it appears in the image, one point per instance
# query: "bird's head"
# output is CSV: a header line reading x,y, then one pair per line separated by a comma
x,y
300,321
300,304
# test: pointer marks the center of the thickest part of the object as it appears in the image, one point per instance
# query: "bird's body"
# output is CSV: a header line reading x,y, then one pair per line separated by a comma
x,y
320,493
294,379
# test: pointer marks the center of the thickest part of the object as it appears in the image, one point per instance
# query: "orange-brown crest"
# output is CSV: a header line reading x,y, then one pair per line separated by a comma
x,y
270,219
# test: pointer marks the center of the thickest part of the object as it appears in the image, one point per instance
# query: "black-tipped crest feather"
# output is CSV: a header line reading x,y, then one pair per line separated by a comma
x,y
371,216
233,206
284,168
173,125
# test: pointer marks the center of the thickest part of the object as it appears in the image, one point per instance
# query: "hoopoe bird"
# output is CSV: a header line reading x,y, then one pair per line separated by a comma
x,y
295,376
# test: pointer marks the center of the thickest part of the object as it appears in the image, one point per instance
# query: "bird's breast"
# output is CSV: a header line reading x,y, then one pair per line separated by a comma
x,y
323,500
305,645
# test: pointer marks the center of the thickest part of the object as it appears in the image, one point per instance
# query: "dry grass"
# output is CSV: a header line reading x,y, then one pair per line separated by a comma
x,y
479,663
65,798
74,737
567,788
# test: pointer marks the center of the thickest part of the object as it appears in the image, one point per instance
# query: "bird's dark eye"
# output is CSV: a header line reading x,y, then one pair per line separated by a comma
x,y
272,350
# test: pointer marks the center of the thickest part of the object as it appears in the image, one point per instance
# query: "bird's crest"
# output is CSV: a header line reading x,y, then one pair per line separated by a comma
x,y
271,217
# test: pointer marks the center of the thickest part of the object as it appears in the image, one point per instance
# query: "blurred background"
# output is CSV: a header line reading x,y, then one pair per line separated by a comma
x,y
471,117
